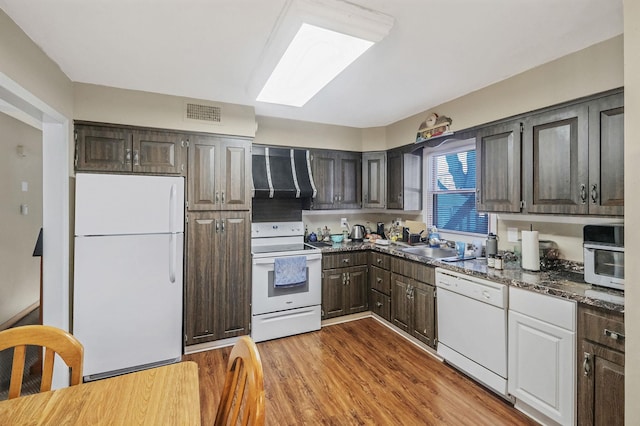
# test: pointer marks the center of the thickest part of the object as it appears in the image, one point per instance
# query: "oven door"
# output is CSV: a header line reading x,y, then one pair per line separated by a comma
x,y
266,297
604,265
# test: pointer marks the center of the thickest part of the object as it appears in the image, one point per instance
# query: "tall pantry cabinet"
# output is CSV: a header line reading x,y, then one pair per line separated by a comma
x,y
218,277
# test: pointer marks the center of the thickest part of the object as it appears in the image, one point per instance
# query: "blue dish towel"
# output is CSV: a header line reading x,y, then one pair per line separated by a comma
x,y
290,270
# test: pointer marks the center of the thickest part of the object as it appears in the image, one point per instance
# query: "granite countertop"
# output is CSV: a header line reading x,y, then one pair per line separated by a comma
x,y
566,284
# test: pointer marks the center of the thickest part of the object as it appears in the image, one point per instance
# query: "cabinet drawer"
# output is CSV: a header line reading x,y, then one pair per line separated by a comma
x,y
416,270
601,326
341,260
380,260
550,309
380,305
380,280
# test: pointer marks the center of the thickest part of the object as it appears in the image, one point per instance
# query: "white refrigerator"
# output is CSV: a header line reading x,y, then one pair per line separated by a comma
x,y
128,263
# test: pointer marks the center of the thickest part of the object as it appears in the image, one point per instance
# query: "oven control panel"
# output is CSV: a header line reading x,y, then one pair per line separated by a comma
x,y
276,229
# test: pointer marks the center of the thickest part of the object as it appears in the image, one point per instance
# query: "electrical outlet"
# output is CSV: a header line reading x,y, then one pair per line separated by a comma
x,y
343,222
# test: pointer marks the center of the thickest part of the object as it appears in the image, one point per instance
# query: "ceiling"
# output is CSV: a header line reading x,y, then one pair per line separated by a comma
x,y
437,50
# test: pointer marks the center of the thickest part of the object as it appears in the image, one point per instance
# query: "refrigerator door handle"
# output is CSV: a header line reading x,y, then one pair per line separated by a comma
x,y
172,208
172,257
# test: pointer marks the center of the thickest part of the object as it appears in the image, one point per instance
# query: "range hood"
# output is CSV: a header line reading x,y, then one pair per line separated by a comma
x,y
281,173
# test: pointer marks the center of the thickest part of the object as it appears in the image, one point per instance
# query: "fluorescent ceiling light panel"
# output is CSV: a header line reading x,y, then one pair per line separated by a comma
x,y
314,57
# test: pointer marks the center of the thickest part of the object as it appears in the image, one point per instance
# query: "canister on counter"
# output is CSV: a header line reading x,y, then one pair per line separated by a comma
x,y
491,260
498,262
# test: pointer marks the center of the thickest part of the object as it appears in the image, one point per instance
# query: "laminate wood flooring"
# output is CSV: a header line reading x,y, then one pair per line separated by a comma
x,y
357,373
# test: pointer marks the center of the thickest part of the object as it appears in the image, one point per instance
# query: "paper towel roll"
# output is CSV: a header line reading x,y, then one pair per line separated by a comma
x,y
530,251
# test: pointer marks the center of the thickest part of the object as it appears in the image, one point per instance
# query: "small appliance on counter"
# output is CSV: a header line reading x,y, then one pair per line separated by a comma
x,y
604,255
357,233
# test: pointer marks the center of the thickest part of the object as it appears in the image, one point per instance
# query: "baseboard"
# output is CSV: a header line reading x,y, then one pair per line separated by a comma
x,y
216,344
17,317
345,318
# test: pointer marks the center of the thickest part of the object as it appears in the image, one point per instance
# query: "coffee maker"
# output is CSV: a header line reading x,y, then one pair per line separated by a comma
x,y
380,230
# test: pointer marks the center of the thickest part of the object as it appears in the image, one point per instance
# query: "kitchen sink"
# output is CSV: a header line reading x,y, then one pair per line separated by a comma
x,y
432,252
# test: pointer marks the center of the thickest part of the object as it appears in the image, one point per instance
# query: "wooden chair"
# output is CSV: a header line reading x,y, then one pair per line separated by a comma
x,y
243,393
54,340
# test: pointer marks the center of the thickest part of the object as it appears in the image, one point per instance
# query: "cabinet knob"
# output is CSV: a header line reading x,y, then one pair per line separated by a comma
x,y
345,260
379,279
378,260
379,304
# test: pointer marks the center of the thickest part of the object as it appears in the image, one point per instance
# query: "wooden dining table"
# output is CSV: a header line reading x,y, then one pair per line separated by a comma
x,y
167,395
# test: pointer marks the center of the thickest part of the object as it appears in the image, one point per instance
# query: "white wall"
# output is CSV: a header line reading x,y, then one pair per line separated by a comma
x,y
278,131
133,107
632,207
591,70
20,278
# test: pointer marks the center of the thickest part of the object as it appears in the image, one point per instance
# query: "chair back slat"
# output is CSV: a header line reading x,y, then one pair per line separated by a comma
x,y
54,340
243,392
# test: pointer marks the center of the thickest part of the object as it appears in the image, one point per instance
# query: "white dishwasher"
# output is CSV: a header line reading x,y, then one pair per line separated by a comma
x,y
472,327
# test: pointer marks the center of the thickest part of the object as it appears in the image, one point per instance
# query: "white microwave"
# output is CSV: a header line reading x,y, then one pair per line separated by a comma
x,y
604,255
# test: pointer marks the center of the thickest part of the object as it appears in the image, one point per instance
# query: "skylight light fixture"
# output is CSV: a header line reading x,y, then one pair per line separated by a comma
x,y
313,42
314,57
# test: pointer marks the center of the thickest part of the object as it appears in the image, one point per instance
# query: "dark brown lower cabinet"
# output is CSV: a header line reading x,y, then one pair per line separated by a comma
x,y
600,367
218,283
413,308
380,282
344,291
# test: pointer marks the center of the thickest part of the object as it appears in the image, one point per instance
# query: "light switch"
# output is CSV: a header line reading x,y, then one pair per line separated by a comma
x,y
24,209
25,186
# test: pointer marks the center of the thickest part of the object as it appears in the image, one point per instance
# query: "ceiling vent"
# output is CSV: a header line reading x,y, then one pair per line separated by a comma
x,y
202,113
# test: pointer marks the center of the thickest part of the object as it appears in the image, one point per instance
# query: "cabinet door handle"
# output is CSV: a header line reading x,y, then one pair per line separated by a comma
x,y
222,227
348,278
344,278
613,334
217,226
379,279
127,156
217,198
594,193
136,158
222,197
586,364
583,193
379,304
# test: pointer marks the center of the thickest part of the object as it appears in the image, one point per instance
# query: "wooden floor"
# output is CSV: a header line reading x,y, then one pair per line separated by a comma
x,y
358,373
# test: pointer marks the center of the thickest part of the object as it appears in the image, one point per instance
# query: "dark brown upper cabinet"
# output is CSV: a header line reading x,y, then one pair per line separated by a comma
x,y
565,160
556,161
498,153
374,179
124,150
219,173
606,155
404,180
338,179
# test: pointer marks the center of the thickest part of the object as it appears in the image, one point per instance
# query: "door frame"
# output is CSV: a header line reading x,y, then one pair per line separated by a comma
x,y
19,103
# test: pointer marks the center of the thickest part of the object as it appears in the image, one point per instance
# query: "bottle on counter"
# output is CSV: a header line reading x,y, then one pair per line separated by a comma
x,y
498,264
491,245
491,260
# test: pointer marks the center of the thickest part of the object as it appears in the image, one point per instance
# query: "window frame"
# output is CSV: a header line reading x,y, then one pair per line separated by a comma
x,y
448,147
